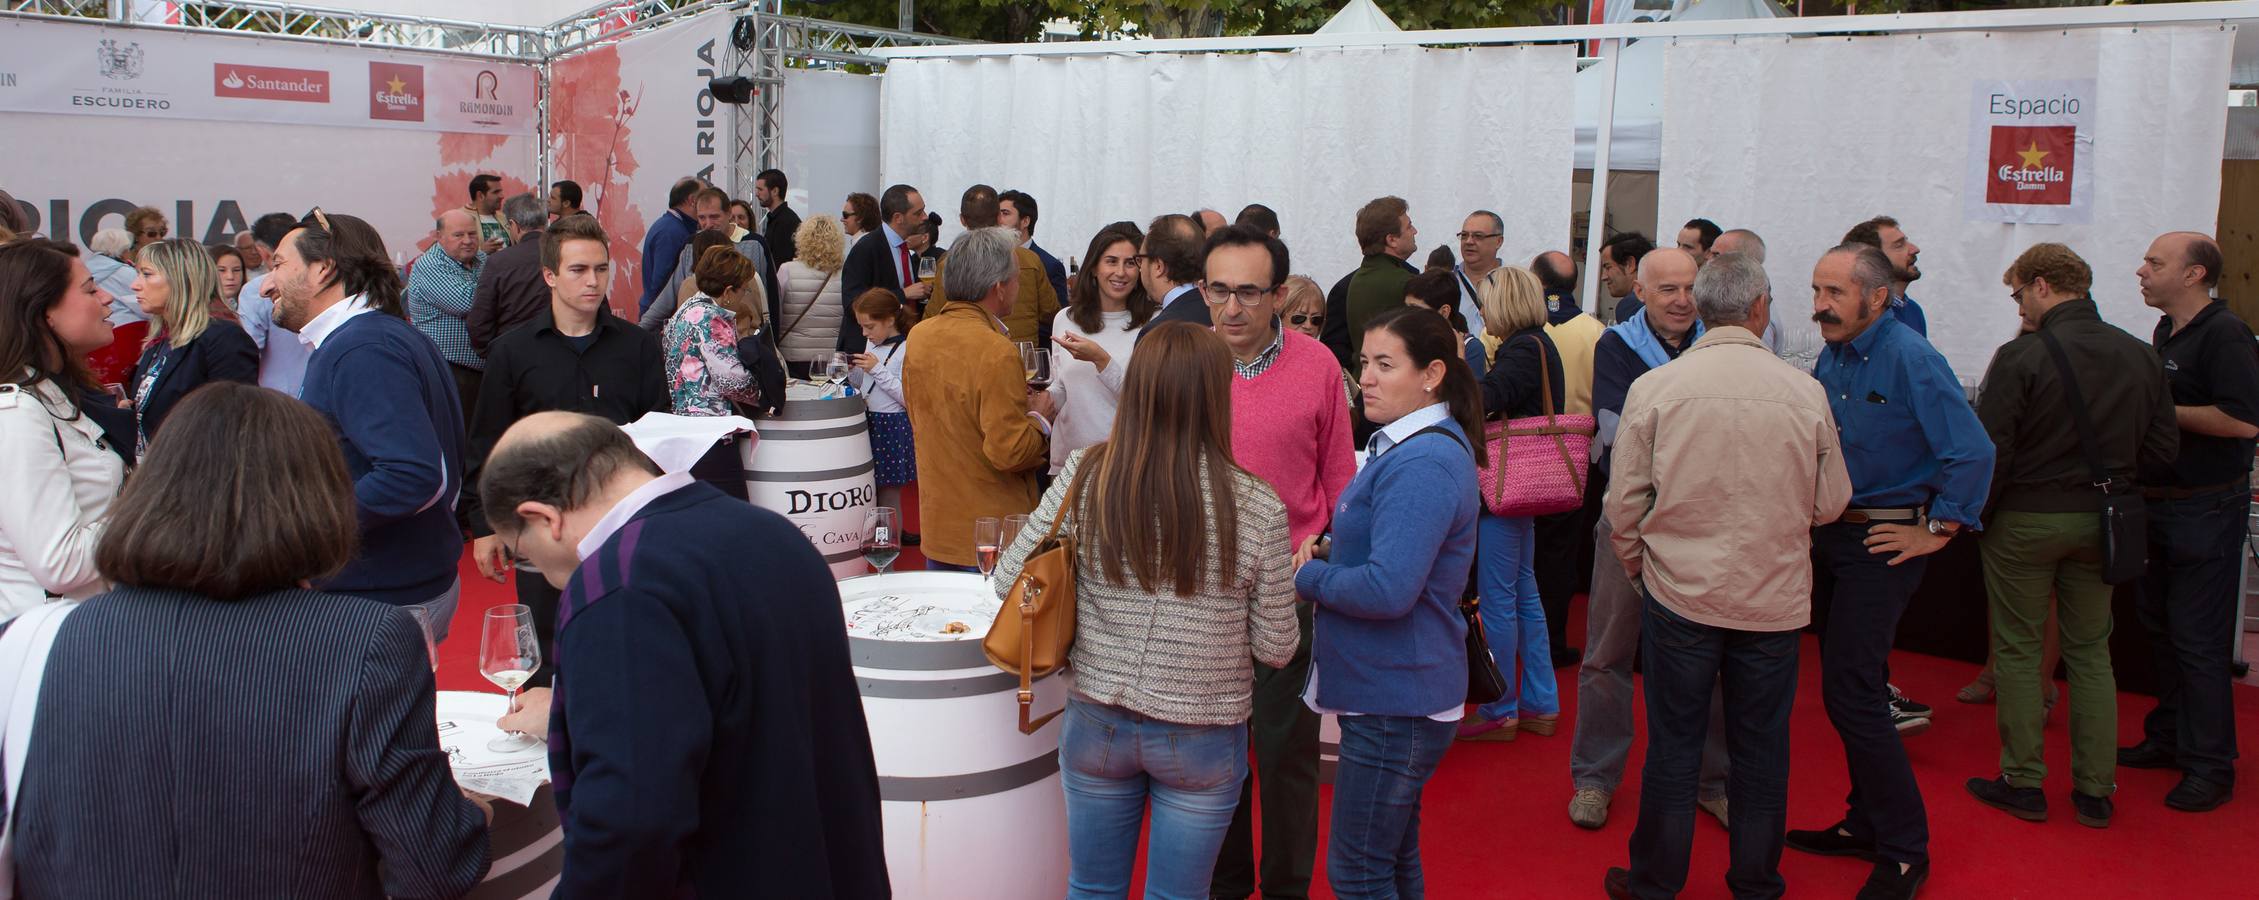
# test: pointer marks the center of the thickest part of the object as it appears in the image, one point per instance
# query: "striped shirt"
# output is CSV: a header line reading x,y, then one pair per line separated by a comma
x,y
440,291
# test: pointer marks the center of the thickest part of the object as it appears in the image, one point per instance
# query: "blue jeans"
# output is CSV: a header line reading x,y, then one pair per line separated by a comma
x,y
1684,660
1374,851
2188,607
1111,760
1513,617
935,565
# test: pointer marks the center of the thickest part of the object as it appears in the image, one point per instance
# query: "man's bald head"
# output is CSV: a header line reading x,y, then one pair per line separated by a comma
x,y
458,235
1742,241
559,460
1667,264
1555,272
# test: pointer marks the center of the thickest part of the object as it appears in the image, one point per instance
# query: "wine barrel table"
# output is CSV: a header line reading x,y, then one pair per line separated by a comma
x,y
971,807
812,464
525,843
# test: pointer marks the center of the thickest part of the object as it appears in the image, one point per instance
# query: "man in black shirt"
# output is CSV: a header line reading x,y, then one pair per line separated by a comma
x,y
778,220
2197,516
2043,524
574,356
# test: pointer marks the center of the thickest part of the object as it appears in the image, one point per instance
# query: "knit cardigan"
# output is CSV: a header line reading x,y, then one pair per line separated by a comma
x,y
1289,427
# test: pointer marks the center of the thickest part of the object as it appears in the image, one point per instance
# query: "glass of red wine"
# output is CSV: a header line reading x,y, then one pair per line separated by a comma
x,y
882,538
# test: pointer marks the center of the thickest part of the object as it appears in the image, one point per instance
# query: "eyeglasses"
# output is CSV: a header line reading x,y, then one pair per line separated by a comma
x,y
1217,294
1479,235
1318,319
2018,294
159,234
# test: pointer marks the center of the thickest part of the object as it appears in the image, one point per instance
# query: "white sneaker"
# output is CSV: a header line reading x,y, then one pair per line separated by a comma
x,y
1589,808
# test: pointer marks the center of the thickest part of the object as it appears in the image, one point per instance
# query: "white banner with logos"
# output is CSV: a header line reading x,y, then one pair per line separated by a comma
x,y
2031,152
1800,166
631,118
141,73
74,175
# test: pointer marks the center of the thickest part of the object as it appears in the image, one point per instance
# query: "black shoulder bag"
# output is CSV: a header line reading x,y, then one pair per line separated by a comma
x,y
1484,683
2125,520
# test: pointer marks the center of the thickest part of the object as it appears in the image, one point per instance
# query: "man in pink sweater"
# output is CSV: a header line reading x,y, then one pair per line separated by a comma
x,y
1290,426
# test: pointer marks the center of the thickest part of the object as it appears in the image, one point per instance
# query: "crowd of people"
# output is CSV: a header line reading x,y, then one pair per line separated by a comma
x,y
1272,487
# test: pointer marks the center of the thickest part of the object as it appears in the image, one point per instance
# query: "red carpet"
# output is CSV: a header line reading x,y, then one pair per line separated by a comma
x,y
1495,823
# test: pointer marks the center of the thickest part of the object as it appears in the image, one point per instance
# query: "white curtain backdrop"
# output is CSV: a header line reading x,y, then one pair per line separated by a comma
x,y
1313,134
1801,166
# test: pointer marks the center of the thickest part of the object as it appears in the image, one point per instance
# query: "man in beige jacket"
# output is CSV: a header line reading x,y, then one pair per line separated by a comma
x,y
1714,523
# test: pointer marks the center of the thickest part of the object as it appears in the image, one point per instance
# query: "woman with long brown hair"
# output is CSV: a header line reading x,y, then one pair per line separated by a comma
x,y
62,473
196,341
1095,333
1182,584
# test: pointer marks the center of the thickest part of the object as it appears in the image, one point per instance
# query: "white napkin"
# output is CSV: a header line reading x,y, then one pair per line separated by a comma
x,y
677,442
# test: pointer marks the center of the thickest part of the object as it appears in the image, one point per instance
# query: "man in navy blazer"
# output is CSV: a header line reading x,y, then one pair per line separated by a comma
x,y
1016,210
705,733
880,259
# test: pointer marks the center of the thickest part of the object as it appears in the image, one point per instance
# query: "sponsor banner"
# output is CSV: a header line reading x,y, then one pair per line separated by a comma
x,y
631,118
86,69
2031,150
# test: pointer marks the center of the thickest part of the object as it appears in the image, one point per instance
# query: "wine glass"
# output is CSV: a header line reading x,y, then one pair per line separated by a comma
x,y
987,533
882,538
422,615
1038,364
835,371
925,268
508,653
1013,524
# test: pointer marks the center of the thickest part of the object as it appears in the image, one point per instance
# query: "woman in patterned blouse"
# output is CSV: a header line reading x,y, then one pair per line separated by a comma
x,y
704,372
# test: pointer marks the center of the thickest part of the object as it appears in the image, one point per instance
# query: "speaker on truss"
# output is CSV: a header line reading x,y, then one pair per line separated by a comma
x,y
732,89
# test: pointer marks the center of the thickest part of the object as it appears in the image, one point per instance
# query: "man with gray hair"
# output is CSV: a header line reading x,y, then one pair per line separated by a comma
x,y
441,287
982,433
1726,584
1795,343
511,289
1920,465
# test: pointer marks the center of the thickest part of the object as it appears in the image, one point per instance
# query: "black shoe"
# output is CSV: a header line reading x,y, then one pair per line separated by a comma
x,y
1887,883
2147,755
1566,656
2028,804
2093,812
2195,794
1831,841
1617,883
1900,702
910,539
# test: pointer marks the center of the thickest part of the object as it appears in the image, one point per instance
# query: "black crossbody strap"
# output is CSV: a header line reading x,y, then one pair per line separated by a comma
x,y
2089,445
1446,432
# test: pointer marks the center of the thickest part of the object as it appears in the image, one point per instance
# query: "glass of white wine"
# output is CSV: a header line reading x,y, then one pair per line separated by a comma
x,y
508,653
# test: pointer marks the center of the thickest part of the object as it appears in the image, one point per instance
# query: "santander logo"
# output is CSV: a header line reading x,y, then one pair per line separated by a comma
x,y
270,83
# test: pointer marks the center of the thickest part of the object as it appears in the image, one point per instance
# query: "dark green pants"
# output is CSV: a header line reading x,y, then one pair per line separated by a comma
x,y
1284,735
2032,560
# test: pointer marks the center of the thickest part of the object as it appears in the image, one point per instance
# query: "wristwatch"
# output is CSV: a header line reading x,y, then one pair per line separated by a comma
x,y
1944,528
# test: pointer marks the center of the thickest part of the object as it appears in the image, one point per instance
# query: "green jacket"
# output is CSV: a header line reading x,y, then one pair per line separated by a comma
x,y
1376,287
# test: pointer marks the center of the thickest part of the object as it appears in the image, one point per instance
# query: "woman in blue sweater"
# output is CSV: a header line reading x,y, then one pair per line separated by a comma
x,y
1389,649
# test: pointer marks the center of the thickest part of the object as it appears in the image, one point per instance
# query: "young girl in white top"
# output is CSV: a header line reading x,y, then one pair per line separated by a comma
x,y
1095,332
886,325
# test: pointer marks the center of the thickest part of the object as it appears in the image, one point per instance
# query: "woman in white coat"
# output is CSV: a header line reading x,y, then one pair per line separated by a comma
x,y
808,319
62,472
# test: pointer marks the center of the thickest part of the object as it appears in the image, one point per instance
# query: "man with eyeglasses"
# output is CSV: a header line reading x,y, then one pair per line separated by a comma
x,y
1288,390
1479,239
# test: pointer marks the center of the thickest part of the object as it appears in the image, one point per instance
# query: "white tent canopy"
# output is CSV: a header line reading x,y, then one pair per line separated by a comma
x,y
1638,138
1359,17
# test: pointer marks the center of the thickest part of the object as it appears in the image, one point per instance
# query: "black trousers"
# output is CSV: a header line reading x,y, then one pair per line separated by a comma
x,y
1564,560
722,468
1284,735
1857,598
467,381
534,591
2188,607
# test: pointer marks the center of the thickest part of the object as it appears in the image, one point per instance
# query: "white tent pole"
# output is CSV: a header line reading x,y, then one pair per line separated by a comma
x,y
1596,216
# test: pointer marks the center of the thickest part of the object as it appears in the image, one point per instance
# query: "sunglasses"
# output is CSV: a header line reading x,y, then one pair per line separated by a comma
x,y
1318,319
153,234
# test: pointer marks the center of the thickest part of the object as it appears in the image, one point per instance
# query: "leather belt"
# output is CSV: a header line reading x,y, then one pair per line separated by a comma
x,y
1861,515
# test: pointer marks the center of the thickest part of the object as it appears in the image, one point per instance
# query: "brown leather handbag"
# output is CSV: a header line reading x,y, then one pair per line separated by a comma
x,y
1036,626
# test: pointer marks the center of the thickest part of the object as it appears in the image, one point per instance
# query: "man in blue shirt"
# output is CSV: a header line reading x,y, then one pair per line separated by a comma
x,y
1883,233
664,241
1920,468
282,359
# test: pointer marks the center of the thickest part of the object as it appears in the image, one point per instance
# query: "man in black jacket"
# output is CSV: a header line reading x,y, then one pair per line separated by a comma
x,y
881,259
575,356
2041,545
510,287
1170,267
778,221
